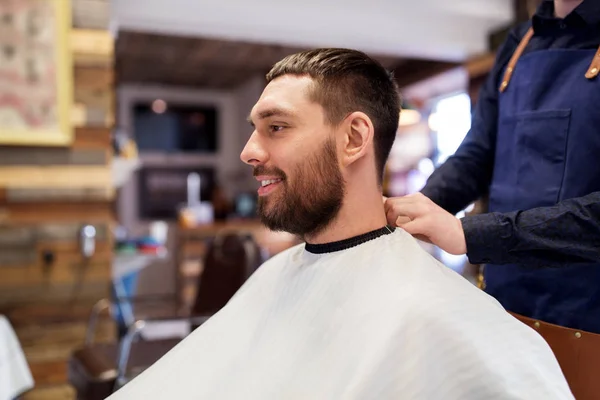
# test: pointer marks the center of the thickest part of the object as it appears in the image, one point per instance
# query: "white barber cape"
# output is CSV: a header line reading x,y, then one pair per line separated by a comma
x,y
381,319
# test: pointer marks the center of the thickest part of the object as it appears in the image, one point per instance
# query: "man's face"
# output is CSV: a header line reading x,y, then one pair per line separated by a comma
x,y
294,155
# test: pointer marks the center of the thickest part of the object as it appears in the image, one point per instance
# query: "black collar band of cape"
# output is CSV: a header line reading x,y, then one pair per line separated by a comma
x,y
348,243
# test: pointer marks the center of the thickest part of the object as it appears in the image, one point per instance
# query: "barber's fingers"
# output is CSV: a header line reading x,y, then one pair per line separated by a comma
x,y
416,198
399,210
393,218
401,220
412,210
417,229
412,227
394,213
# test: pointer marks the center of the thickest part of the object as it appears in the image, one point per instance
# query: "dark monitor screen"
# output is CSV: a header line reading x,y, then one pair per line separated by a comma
x,y
172,128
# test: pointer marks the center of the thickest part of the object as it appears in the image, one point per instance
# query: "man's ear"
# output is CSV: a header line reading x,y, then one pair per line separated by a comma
x,y
358,136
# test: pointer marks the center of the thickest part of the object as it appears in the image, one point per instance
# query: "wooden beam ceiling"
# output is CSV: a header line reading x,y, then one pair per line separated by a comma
x,y
147,58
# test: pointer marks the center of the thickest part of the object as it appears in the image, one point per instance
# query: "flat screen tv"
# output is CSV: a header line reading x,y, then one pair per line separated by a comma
x,y
173,128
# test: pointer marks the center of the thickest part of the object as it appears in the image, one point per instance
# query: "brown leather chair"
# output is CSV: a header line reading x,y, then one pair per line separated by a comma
x,y
97,369
577,352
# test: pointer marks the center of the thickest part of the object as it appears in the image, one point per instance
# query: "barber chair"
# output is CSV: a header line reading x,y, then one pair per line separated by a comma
x,y
98,369
577,353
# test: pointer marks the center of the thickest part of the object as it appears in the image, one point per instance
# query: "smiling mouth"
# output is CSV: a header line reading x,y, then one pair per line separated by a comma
x,y
269,182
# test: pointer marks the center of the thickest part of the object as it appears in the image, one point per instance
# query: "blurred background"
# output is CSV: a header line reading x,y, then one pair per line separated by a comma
x,y
121,125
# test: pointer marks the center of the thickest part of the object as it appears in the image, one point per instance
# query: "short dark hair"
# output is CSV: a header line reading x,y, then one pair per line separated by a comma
x,y
347,81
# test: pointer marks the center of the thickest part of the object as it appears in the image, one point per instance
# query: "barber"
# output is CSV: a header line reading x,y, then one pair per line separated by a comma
x,y
534,145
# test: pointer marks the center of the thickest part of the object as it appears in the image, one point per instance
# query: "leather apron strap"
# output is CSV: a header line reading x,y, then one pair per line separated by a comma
x,y
591,73
594,68
513,60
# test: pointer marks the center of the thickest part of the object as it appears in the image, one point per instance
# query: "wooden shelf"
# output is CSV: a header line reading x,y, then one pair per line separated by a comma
x,y
92,138
56,212
68,176
92,47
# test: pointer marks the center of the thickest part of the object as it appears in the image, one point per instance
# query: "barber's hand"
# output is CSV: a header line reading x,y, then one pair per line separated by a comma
x,y
425,220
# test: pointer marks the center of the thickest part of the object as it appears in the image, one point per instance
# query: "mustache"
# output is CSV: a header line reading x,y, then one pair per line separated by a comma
x,y
274,171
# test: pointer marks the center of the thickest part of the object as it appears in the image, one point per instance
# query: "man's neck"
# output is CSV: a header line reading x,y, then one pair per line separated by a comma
x,y
562,8
361,212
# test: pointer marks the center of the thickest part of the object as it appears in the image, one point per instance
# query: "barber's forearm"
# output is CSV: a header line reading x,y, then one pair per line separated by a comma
x,y
564,234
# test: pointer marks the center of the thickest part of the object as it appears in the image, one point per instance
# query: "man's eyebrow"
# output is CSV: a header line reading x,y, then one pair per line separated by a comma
x,y
271,112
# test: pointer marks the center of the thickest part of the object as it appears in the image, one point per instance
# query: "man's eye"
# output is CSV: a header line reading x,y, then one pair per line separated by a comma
x,y
275,128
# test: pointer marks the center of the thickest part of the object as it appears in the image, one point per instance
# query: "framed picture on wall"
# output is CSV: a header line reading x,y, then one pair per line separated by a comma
x,y
36,73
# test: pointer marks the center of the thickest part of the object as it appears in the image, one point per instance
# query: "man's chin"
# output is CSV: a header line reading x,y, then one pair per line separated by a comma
x,y
273,220
272,224
266,213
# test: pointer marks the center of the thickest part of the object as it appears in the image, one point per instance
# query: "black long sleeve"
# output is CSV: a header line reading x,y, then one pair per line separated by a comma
x,y
568,232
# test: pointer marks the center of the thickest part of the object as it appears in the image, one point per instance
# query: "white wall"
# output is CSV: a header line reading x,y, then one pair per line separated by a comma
x,y
234,130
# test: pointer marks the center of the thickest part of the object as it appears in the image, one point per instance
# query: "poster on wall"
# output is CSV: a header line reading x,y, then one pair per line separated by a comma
x,y
35,72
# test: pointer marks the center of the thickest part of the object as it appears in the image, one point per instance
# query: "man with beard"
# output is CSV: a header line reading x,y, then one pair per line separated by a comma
x,y
359,311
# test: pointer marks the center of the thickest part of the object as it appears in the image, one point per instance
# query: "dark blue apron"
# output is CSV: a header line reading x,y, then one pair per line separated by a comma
x,y
547,150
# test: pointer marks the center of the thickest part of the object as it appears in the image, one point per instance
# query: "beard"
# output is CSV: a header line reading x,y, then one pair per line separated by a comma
x,y
311,201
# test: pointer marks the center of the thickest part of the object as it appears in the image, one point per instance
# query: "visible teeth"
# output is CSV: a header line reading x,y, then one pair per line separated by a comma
x,y
269,181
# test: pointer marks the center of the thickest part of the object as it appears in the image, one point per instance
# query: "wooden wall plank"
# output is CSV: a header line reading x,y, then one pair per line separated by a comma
x,y
71,246
45,195
64,272
93,98
52,156
88,292
15,236
92,138
93,42
55,176
39,314
94,78
49,373
59,212
68,195
52,392
91,14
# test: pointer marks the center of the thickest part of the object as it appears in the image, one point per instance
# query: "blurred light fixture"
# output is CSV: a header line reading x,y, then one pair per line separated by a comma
x,y
409,115
159,106
434,121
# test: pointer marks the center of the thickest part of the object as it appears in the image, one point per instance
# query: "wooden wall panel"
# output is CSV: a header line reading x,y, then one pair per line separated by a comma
x,y
92,47
91,14
92,138
67,270
93,78
58,295
26,277
68,195
95,107
64,176
55,156
46,195
56,212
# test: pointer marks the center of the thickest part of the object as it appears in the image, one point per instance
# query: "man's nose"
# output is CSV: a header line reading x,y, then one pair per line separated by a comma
x,y
254,152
